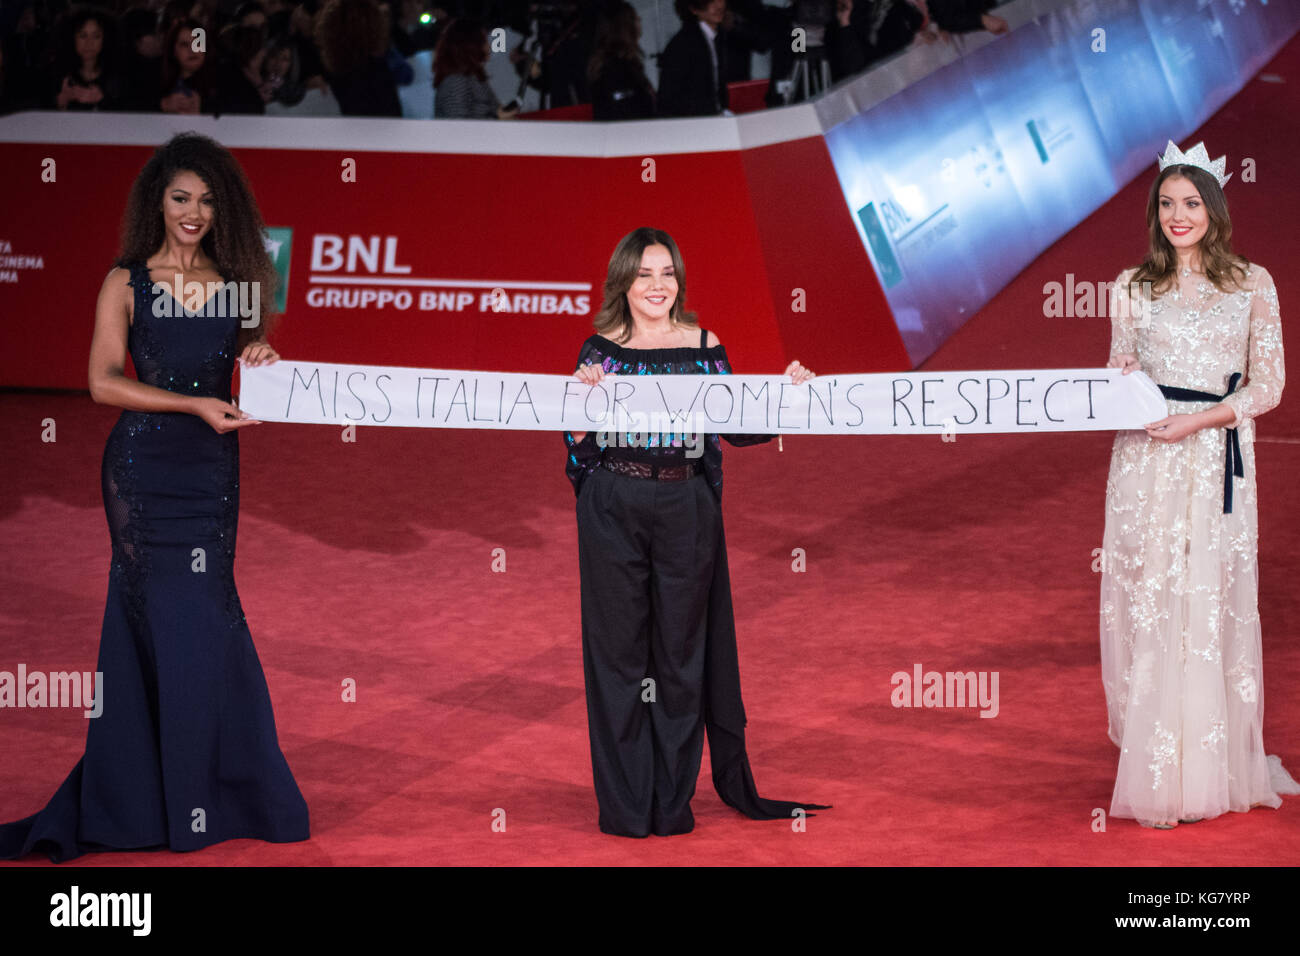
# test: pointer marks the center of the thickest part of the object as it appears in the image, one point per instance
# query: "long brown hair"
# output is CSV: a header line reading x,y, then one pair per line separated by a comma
x,y
235,242
615,315
616,39
202,81
1221,266
460,50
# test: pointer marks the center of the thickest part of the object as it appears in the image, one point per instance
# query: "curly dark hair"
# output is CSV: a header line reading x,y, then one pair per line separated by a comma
x,y
1221,265
66,59
236,241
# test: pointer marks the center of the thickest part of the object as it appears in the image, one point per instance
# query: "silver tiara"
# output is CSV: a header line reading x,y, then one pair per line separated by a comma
x,y
1198,157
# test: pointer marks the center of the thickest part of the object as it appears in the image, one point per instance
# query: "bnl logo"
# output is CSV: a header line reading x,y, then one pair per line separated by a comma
x,y
279,246
897,221
878,224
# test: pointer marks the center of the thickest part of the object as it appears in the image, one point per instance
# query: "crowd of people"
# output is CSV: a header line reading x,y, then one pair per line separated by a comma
x,y
351,57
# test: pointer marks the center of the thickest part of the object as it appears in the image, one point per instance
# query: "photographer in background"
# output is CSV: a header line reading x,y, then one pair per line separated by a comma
x,y
561,37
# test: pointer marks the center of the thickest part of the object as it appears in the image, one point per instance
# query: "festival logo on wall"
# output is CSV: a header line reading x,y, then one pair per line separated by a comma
x,y
352,272
1048,137
891,273
12,263
279,246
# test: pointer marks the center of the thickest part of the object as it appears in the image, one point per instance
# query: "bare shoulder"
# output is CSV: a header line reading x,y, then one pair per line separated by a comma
x,y
117,284
116,290
711,341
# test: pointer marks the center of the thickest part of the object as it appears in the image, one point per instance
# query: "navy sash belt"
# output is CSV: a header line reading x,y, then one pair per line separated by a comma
x,y
1232,466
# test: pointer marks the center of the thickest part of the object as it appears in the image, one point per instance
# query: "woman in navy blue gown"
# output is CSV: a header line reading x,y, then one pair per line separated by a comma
x,y
185,753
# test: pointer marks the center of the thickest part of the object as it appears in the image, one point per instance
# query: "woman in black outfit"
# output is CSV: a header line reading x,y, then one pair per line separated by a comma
x,y
656,595
86,75
616,73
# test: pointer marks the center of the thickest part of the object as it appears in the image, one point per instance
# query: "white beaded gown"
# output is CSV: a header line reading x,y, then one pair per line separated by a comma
x,y
1180,625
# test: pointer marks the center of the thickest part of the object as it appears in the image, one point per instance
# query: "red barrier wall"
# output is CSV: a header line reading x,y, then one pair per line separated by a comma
x,y
752,224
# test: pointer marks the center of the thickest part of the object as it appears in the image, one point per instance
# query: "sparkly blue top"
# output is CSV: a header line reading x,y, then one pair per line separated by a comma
x,y
585,456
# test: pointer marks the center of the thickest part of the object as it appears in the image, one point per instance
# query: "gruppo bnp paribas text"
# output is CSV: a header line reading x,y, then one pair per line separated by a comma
x,y
362,272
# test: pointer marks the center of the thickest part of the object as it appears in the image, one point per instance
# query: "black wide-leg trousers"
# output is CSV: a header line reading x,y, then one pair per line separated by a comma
x,y
646,555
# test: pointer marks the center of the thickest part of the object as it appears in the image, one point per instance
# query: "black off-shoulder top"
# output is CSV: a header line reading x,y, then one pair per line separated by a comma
x,y
585,456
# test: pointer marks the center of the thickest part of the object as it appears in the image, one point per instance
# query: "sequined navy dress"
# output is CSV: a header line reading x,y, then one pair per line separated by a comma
x,y
656,603
185,753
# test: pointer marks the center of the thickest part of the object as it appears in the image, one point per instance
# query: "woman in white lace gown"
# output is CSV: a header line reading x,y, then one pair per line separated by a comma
x,y
1180,626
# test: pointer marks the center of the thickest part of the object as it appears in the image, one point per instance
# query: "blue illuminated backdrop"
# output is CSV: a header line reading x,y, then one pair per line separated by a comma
x,y
962,178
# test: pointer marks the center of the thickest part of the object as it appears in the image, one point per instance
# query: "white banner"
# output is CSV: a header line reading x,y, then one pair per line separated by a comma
x,y
904,403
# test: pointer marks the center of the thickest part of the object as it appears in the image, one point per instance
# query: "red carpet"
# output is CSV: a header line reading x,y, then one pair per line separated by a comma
x,y
372,561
